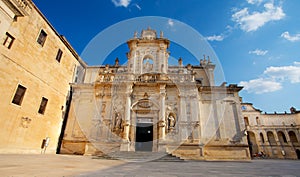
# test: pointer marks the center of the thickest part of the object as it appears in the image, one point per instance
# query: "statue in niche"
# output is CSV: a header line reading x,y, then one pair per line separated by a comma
x,y
171,121
118,121
147,65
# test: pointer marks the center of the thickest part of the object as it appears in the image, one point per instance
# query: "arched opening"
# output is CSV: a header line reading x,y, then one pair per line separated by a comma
x,y
147,64
262,138
246,121
293,137
271,138
252,143
281,137
257,121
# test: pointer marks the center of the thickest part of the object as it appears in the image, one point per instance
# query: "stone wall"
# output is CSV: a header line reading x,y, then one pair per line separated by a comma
x,y
35,67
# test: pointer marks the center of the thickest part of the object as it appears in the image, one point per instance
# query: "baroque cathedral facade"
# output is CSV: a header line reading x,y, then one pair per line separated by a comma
x,y
149,105
53,102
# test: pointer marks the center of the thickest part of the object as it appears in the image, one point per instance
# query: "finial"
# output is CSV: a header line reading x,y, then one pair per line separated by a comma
x,y
161,34
180,61
208,58
117,61
135,35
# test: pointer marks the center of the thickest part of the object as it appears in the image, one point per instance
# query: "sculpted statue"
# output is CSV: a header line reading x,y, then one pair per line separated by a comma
x,y
118,121
171,121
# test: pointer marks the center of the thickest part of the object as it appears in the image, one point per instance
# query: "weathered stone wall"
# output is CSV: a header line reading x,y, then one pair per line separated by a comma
x,y
35,67
276,134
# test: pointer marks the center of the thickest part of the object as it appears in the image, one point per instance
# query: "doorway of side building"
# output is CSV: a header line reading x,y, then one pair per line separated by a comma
x,y
298,153
144,137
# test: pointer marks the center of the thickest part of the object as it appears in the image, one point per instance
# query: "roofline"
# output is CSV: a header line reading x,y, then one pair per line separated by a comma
x,y
61,37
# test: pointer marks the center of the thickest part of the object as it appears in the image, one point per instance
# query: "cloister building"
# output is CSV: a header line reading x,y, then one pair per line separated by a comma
x,y
276,134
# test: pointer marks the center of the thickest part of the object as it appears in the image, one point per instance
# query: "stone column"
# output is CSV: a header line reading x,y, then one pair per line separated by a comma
x,y
127,116
182,128
125,146
162,124
216,120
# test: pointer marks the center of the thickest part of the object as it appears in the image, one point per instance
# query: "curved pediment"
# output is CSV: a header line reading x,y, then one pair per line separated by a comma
x,y
145,104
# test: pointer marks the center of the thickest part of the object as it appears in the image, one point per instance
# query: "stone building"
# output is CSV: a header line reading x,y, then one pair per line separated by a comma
x,y
36,66
148,105
276,134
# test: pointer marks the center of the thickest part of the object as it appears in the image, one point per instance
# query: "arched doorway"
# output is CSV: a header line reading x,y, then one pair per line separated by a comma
x,y
252,143
144,120
293,137
281,137
271,138
262,138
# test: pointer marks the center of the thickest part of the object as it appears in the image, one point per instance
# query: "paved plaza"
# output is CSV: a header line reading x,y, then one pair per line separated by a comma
x,y
67,165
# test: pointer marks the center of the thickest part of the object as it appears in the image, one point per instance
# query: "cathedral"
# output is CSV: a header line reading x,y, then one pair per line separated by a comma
x,y
149,105
53,102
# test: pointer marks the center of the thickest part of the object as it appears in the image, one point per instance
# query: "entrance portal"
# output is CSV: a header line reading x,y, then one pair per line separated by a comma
x,y
144,137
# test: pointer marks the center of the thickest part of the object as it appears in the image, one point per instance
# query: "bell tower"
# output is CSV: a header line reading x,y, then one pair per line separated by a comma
x,y
148,53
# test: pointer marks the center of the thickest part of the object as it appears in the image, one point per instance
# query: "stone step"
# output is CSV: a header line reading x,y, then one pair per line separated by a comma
x,y
140,156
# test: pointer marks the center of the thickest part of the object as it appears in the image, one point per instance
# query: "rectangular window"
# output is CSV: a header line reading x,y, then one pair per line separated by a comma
x,y
43,105
59,55
42,37
9,39
18,98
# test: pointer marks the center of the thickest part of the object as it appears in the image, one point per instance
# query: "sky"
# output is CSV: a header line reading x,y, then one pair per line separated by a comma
x,y
256,42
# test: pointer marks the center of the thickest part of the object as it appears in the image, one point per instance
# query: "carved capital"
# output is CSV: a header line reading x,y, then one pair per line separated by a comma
x,y
162,123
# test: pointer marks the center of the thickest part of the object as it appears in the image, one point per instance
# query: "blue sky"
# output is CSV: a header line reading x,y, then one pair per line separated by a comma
x,y
257,42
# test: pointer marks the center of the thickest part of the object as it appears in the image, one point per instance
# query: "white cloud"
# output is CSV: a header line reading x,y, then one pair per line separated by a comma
x,y
119,3
258,52
215,38
170,22
296,63
251,21
289,73
261,85
286,35
272,79
258,2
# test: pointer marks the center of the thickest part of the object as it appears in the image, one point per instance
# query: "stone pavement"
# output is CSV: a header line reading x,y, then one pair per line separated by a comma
x,y
44,165
68,165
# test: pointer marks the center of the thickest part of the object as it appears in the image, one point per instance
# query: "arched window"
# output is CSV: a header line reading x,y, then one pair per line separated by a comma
x,y
147,65
262,138
281,137
293,137
271,138
246,121
257,121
